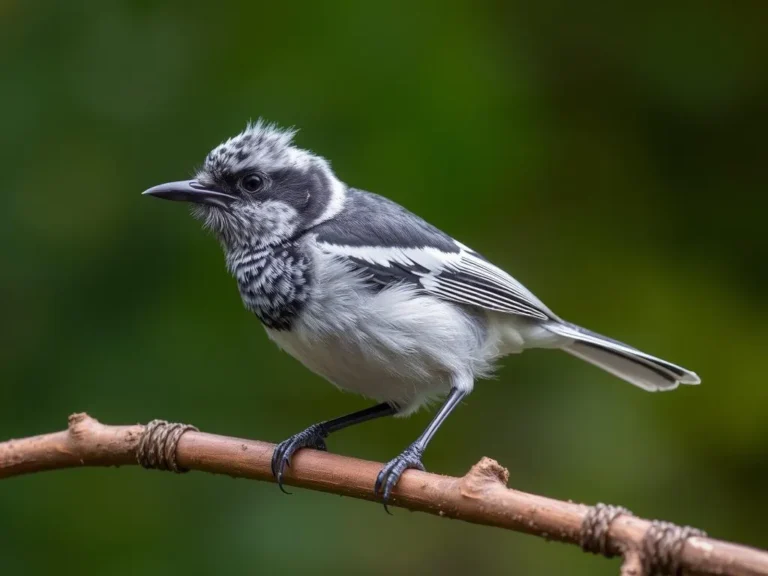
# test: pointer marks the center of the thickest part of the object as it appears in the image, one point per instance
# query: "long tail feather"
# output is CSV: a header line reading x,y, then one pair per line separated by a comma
x,y
630,364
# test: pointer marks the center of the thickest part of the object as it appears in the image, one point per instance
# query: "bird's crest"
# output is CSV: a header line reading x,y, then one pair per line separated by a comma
x,y
261,144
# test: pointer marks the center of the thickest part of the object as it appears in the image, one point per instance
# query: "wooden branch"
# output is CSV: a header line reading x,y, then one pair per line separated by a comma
x,y
481,496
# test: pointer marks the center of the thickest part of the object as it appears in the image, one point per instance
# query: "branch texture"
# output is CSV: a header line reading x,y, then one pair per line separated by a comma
x,y
481,496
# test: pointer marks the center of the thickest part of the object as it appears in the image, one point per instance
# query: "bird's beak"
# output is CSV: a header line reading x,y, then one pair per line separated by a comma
x,y
190,191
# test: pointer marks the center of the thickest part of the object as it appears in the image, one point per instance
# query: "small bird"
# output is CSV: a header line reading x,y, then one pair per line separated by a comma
x,y
370,296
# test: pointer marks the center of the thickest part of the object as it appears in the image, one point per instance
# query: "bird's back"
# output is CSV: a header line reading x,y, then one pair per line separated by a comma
x,y
369,219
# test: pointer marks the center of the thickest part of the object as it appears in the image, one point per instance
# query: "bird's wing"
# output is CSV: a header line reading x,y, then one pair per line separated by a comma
x,y
463,277
391,246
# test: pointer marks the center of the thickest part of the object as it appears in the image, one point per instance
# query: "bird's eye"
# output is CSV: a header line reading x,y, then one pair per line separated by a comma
x,y
251,182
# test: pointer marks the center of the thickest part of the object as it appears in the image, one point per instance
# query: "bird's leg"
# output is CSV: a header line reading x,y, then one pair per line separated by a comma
x,y
315,435
411,456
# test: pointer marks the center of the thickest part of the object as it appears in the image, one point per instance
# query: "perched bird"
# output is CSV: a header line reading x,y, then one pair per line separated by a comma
x,y
372,297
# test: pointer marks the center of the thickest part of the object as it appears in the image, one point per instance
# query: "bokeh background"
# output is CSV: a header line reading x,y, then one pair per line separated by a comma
x,y
613,160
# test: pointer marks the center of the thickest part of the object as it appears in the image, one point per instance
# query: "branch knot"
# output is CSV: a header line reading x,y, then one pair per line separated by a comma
x,y
661,547
595,526
487,474
157,445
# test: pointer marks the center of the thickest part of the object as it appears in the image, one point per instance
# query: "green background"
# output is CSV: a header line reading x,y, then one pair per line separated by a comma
x,y
612,160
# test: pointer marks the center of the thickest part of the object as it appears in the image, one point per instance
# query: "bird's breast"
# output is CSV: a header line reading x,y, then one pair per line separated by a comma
x,y
273,282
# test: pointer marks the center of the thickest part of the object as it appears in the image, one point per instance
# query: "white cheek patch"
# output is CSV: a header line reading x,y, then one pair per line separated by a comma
x,y
271,220
256,224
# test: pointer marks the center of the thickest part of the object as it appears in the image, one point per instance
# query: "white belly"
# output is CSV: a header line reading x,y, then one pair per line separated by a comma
x,y
398,347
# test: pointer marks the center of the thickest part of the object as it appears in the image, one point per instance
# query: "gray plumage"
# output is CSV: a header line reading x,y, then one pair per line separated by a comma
x,y
369,295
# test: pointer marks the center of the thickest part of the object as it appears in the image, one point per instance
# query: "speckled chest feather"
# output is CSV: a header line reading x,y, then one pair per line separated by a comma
x,y
273,282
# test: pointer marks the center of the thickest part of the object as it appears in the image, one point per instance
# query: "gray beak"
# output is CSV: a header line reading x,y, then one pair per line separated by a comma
x,y
190,191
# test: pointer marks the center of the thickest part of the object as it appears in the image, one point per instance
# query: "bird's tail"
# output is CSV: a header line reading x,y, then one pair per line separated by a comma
x,y
636,367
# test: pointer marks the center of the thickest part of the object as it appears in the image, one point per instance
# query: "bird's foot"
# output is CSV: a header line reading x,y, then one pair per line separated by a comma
x,y
312,437
390,474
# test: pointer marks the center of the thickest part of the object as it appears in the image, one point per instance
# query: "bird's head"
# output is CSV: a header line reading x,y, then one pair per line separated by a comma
x,y
259,189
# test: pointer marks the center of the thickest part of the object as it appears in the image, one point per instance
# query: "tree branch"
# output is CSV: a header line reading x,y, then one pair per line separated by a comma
x,y
481,496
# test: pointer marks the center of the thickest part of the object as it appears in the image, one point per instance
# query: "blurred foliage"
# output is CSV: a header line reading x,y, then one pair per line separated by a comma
x,y
613,159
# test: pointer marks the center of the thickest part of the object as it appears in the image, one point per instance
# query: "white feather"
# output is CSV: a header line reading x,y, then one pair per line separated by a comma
x,y
338,194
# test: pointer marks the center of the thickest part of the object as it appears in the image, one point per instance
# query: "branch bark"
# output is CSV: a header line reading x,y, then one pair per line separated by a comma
x,y
481,496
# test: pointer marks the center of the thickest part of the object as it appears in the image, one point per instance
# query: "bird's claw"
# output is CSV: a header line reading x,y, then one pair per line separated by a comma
x,y
390,474
312,437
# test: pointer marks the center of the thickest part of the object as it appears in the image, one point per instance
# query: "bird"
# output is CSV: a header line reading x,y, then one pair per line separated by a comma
x,y
372,297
